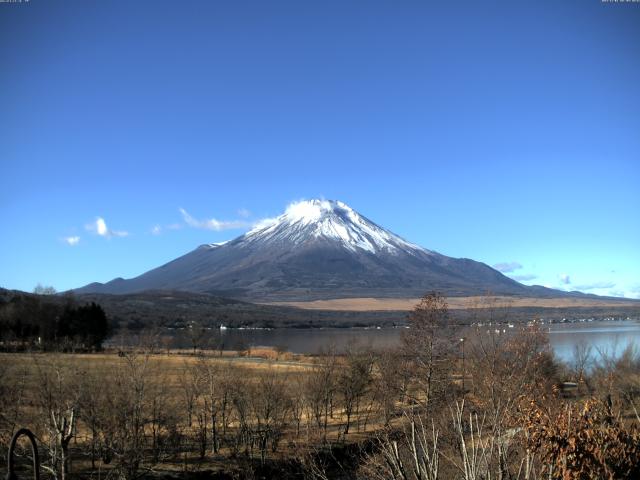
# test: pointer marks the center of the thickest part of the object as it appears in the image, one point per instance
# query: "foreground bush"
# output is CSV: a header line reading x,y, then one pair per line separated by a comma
x,y
583,441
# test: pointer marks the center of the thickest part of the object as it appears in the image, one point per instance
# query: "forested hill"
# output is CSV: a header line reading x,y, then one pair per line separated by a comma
x,y
50,322
177,309
33,314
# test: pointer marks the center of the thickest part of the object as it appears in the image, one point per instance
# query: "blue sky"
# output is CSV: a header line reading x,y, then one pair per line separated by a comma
x,y
506,132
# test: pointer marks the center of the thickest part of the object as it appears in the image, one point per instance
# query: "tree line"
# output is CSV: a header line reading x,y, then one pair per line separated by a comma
x,y
49,322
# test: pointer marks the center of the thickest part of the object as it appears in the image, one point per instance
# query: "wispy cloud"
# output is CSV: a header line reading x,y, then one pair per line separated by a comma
x,y
524,277
72,241
159,229
595,286
244,213
565,279
99,227
264,223
506,267
616,293
212,223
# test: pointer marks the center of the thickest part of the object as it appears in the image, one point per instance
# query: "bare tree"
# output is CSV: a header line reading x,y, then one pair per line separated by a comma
x,y
353,381
271,407
296,393
240,395
197,334
320,390
59,400
214,384
90,410
388,382
125,416
427,343
582,360
188,381
40,289
12,394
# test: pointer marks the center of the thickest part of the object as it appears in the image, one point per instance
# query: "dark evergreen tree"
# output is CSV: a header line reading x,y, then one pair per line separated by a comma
x,y
28,321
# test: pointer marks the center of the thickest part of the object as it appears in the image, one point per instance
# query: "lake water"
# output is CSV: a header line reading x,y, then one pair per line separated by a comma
x,y
610,337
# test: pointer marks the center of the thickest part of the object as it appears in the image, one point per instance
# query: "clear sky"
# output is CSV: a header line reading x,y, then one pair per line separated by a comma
x,y
507,132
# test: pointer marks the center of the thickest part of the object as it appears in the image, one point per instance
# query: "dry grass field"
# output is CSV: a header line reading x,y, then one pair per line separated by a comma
x,y
264,405
455,303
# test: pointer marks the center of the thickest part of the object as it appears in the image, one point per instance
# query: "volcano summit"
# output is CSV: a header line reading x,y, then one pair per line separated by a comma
x,y
318,249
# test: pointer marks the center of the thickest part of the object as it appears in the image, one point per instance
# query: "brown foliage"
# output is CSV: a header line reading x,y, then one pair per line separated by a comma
x,y
583,441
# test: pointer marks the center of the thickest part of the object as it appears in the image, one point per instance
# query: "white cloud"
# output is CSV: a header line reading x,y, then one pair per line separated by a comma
x,y
72,241
100,228
506,267
156,230
244,213
212,223
565,279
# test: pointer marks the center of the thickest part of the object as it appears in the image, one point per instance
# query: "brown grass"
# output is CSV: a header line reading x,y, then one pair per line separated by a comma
x,y
171,365
455,303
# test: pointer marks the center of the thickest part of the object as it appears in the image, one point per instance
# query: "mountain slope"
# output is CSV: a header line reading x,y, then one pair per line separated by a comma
x,y
317,249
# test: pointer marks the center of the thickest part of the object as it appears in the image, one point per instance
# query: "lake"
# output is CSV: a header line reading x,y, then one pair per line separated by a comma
x,y
610,337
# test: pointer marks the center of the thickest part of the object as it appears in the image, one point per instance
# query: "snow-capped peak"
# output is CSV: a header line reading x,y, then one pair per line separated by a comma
x,y
308,211
310,220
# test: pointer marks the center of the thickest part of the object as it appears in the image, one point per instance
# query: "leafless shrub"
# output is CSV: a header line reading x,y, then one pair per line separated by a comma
x,y
413,456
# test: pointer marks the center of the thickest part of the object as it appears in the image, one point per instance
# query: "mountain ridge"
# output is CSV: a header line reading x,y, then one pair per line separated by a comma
x,y
319,249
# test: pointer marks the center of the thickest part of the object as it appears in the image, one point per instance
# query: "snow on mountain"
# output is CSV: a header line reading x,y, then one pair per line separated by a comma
x,y
311,220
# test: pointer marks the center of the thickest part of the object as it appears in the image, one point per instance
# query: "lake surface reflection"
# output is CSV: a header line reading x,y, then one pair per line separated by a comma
x,y
610,337
604,338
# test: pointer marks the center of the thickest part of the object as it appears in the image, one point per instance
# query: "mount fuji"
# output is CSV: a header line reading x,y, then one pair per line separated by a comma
x,y
319,249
